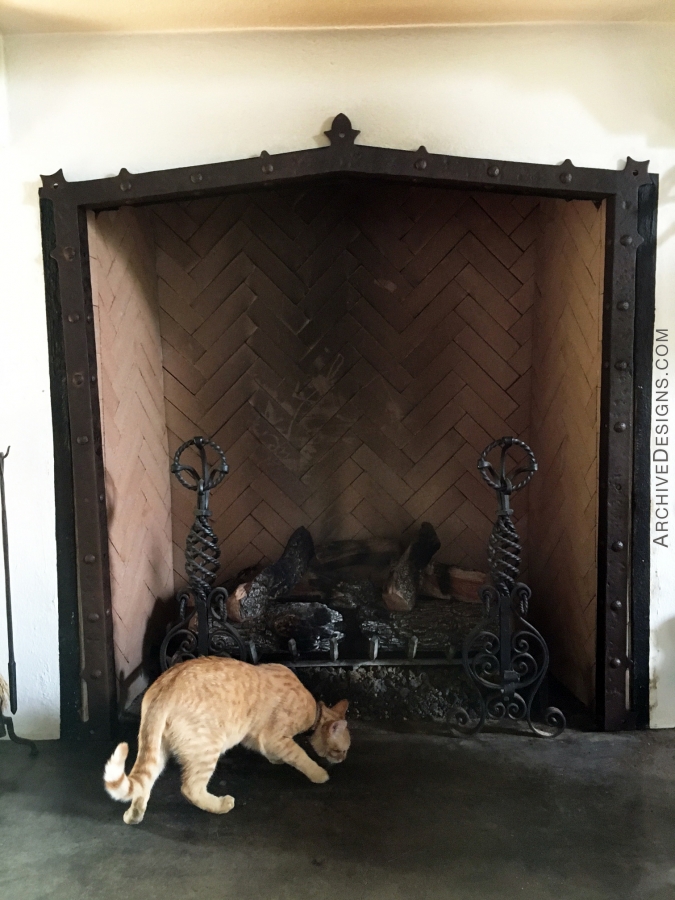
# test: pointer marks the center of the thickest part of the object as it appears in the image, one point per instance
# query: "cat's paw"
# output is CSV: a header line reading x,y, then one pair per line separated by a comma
x,y
320,776
226,804
134,815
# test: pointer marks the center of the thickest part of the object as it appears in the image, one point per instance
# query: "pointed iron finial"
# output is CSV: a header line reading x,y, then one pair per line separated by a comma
x,y
341,131
55,181
637,169
267,164
421,162
124,180
567,174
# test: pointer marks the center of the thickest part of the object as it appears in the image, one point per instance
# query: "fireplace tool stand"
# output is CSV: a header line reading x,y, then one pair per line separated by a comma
x,y
504,657
6,723
202,629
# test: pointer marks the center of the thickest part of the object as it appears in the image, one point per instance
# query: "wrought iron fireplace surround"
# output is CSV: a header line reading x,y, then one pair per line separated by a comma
x,y
85,631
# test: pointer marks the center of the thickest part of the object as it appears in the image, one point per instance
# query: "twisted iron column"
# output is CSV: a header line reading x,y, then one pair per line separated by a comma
x,y
505,657
202,628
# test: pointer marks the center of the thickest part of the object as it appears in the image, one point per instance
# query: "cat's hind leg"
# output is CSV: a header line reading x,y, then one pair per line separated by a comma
x,y
146,771
197,772
284,749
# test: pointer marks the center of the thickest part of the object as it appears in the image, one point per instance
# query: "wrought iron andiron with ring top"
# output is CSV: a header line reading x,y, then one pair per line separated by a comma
x,y
214,635
504,656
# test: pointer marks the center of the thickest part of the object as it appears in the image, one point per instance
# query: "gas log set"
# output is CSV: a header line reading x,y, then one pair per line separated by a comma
x,y
357,599
405,636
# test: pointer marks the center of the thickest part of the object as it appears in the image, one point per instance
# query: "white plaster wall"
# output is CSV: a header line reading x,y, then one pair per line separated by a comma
x,y
25,416
92,104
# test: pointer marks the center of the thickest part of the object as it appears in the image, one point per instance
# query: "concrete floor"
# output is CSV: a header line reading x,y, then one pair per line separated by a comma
x,y
407,817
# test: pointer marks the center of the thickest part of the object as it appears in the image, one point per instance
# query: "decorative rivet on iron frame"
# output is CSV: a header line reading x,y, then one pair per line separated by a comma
x,y
202,629
504,656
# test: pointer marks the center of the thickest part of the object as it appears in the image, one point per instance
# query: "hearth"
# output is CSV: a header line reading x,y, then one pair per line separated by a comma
x,y
353,325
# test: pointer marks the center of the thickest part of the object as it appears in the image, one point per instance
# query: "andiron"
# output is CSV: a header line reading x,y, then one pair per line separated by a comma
x,y
202,628
505,657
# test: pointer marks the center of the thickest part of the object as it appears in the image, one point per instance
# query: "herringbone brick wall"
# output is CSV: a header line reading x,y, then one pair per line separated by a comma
x,y
353,349
566,368
124,290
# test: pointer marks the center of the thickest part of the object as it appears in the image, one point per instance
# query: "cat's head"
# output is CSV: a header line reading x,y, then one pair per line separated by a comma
x,y
330,739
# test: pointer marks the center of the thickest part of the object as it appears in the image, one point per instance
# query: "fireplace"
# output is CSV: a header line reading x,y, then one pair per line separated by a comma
x,y
353,325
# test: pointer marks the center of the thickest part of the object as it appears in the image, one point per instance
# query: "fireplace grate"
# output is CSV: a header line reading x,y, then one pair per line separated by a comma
x,y
505,658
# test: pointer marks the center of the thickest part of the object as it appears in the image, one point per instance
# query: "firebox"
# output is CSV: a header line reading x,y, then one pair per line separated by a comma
x,y
352,325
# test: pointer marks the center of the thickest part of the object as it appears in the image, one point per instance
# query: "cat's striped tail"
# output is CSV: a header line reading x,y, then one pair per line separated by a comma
x,y
115,778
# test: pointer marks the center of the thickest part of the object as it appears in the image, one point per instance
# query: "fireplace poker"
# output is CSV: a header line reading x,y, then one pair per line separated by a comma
x,y
6,724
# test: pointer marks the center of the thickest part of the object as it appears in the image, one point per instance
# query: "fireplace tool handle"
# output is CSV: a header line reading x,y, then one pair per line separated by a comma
x,y
505,657
6,723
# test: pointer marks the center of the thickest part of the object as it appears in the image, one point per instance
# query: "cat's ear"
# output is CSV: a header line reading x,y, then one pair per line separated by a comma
x,y
336,728
341,708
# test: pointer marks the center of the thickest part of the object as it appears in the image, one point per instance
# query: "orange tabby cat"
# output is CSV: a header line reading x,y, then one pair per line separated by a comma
x,y
199,709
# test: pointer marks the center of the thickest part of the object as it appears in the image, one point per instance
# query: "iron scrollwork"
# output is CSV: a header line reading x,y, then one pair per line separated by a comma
x,y
202,628
505,657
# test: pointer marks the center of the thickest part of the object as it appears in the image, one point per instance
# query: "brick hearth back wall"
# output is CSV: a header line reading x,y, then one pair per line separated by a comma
x,y
353,348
